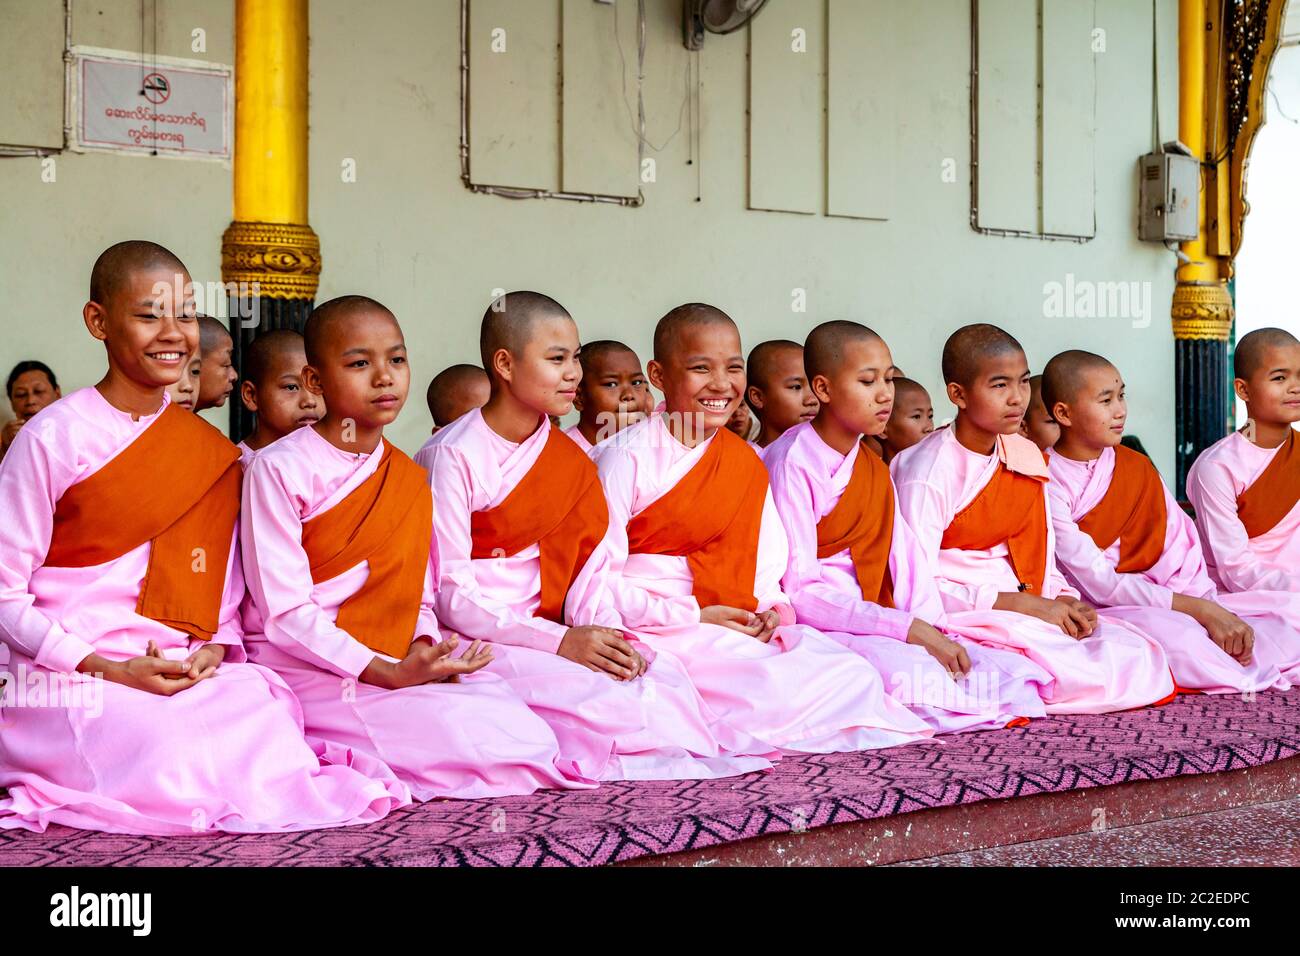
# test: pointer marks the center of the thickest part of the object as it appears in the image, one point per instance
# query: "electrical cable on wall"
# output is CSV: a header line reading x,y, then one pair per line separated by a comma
x,y
639,122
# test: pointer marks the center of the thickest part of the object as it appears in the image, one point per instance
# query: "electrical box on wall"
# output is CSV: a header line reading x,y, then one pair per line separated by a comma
x,y
1168,195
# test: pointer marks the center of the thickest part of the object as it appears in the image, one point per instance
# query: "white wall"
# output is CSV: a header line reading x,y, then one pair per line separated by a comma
x,y
384,92
1265,270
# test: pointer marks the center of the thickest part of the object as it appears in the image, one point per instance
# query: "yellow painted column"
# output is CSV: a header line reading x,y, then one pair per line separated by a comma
x,y
1201,310
271,111
1225,51
270,242
270,257
1202,307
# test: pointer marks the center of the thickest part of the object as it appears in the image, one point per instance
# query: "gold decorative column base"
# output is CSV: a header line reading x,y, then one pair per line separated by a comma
x,y
271,270
283,259
1202,311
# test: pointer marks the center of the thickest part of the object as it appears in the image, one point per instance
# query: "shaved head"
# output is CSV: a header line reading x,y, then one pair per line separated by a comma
x,y
268,350
1253,348
593,352
905,389
456,390
672,328
1035,387
823,350
211,333
758,369
328,316
510,320
1064,376
967,349
116,263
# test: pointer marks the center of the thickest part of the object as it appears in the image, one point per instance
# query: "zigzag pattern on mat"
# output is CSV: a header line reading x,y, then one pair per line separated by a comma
x,y
1195,734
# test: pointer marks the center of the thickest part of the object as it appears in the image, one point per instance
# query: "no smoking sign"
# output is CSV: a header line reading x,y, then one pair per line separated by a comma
x,y
169,107
156,89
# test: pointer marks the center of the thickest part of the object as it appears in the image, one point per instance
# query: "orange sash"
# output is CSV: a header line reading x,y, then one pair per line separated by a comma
x,y
1131,512
386,521
1275,492
863,521
1009,509
177,486
559,506
712,518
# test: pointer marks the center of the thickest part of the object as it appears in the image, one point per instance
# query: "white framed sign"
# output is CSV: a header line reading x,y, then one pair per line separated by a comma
x,y
150,105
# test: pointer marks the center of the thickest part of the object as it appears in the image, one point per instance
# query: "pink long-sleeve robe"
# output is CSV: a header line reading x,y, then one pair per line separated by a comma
x,y
1145,599
249,618
1115,668
475,738
654,727
1236,561
808,478
800,691
579,439
226,754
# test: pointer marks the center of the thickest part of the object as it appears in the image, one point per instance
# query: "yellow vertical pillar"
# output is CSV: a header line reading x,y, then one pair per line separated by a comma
x,y
1202,307
269,242
270,257
1201,311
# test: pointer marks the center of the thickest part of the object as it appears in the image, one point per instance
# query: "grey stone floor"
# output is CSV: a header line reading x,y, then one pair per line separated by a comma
x,y
1261,835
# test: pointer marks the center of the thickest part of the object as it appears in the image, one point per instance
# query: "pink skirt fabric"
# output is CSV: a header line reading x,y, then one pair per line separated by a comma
x,y
465,740
1117,667
800,692
1196,661
227,755
656,727
1000,688
1275,617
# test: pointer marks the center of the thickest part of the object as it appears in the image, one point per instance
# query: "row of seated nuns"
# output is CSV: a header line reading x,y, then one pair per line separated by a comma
x,y
311,629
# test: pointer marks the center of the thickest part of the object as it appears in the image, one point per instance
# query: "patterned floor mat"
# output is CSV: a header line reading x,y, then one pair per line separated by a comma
x,y
1195,734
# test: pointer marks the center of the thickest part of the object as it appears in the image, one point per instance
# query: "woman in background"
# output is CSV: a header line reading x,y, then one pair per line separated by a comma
x,y
31,386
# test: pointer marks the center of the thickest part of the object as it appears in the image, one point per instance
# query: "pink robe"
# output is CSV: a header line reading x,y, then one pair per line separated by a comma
x,y
249,618
424,455
579,438
1237,562
226,754
800,691
808,479
1198,663
653,728
470,739
1115,668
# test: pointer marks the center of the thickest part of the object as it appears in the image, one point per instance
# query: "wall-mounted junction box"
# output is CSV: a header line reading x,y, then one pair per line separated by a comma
x,y
1168,195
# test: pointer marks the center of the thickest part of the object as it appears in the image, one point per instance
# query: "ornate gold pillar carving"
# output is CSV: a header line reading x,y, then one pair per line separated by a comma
x,y
282,258
1252,45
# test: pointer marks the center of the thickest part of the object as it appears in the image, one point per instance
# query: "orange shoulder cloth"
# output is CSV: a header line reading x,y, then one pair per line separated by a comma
x,y
177,486
863,522
558,506
386,521
1274,494
1008,510
1131,512
712,518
